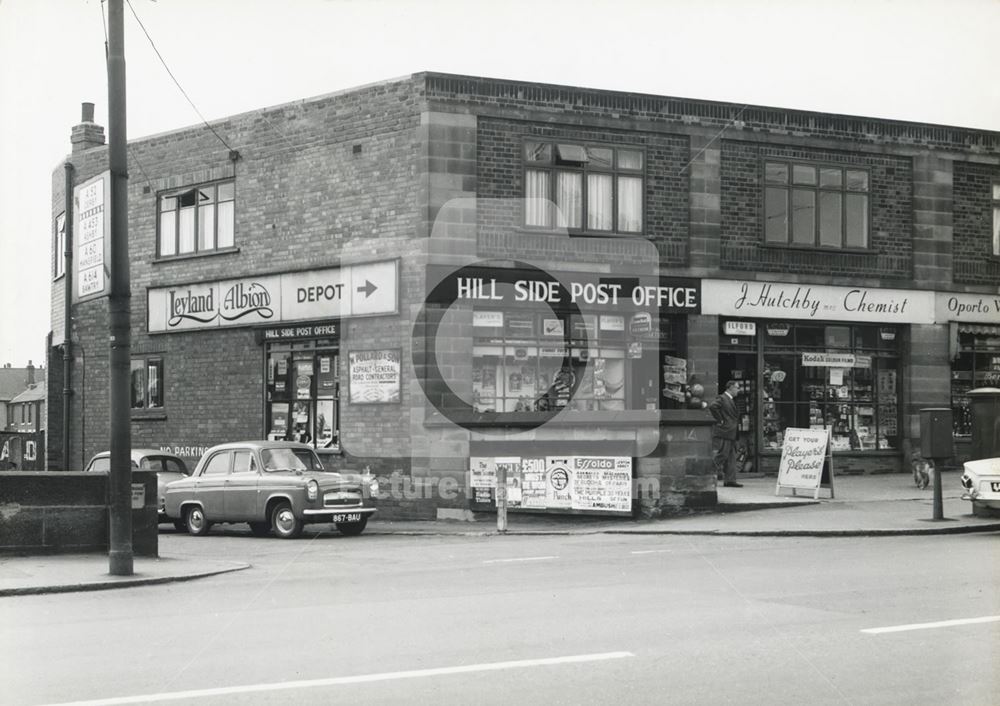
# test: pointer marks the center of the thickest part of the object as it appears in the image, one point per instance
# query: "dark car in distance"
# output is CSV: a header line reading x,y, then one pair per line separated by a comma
x,y
275,486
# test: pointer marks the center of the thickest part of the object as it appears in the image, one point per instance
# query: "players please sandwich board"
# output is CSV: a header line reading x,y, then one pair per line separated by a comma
x,y
806,461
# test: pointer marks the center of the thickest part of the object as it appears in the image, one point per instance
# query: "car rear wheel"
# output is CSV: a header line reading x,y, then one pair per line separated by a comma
x,y
353,529
197,523
284,522
260,529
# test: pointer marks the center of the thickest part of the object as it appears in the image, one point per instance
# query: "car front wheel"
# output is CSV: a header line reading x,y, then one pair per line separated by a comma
x,y
197,523
284,522
353,529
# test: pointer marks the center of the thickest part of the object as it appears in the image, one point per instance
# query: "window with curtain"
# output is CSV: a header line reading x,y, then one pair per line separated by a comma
x,y
815,205
593,188
196,220
147,383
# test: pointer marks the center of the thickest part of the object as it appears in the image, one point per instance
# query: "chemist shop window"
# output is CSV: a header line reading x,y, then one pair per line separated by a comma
x,y
976,365
146,383
815,205
596,189
837,377
195,220
303,393
532,362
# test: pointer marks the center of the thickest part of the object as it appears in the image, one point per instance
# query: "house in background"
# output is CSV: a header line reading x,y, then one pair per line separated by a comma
x,y
14,382
26,412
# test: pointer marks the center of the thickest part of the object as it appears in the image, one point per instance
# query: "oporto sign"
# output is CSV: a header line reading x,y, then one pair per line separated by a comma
x,y
352,290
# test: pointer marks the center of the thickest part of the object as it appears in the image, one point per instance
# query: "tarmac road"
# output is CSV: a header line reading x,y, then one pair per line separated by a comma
x,y
566,619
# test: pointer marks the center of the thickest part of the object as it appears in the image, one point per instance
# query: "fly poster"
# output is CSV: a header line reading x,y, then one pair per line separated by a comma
x,y
586,484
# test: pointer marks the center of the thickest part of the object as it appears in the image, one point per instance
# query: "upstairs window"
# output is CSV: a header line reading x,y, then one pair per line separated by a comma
x,y
816,206
996,219
59,246
595,188
196,220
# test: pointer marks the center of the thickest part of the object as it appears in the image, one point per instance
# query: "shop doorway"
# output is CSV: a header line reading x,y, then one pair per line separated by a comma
x,y
303,393
742,367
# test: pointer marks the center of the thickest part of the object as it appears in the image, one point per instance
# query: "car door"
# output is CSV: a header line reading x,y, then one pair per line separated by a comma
x,y
241,487
210,485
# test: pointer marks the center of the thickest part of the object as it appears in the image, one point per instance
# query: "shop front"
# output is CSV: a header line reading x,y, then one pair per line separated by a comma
x,y
974,337
297,319
818,357
569,376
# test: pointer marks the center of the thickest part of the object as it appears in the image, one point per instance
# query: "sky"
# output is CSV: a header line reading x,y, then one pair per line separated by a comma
x,y
918,60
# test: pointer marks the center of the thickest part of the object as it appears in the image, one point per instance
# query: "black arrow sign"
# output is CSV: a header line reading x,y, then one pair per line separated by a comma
x,y
367,289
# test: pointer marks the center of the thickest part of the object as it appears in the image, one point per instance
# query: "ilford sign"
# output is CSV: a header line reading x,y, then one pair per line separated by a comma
x,y
353,290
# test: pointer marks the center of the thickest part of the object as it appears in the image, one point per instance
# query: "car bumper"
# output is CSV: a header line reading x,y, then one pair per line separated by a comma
x,y
982,489
330,514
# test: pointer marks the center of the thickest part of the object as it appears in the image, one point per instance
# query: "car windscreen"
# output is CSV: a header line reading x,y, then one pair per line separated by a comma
x,y
287,459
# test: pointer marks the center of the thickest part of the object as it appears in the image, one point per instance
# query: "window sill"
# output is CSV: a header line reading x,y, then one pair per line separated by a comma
x,y
192,255
817,248
529,230
148,415
634,417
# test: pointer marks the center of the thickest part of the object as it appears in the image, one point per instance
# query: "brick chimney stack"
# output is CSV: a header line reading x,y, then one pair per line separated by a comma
x,y
31,373
87,134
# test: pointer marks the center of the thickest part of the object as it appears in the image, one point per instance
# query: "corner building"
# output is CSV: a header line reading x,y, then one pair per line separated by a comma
x,y
448,278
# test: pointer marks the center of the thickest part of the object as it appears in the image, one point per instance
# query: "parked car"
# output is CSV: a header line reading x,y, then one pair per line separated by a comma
x,y
277,486
167,467
981,481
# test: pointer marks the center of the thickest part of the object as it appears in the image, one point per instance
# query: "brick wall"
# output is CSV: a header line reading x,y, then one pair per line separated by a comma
x,y
973,222
319,183
742,238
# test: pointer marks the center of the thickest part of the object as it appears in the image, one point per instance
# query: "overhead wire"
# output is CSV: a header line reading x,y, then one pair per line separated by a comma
x,y
174,79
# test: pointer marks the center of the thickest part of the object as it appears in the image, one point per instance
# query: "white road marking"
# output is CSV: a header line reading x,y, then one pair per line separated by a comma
x,y
652,551
523,558
360,679
928,626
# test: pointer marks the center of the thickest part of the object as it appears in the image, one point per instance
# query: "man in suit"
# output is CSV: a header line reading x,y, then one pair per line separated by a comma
x,y
724,433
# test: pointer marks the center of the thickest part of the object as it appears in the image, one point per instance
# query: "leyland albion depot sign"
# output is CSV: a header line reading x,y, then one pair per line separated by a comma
x,y
353,290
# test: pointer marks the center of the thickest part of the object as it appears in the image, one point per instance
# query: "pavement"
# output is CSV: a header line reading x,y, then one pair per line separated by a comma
x,y
873,505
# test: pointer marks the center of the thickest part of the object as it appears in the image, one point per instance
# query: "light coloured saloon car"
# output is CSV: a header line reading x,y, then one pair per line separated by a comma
x,y
275,486
981,483
167,467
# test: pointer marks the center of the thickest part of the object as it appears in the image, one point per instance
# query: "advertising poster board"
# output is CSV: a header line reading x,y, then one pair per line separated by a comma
x,y
374,376
806,461
595,484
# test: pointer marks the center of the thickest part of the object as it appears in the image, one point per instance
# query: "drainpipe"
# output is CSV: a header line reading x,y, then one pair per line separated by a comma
x,y
68,308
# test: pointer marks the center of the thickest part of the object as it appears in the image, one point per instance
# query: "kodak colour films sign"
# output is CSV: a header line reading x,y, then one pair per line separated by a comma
x,y
339,292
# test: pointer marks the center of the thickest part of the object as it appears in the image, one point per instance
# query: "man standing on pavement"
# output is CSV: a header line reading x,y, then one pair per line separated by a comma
x,y
724,432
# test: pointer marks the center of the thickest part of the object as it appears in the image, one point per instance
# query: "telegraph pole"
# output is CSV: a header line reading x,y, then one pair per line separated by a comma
x,y
119,309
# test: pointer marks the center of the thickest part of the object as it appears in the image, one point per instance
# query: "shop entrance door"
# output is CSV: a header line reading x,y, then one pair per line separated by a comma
x,y
303,391
742,367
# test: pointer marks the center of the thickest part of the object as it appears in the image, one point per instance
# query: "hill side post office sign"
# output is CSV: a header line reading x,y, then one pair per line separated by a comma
x,y
368,289
92,238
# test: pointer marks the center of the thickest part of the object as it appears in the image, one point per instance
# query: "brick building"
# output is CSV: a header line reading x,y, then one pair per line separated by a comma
x,y
442,273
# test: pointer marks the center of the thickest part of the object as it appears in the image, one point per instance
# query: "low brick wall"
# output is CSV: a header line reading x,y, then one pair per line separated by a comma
x,y
47,512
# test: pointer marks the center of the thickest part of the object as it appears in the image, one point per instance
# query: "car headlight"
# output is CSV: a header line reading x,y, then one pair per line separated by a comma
x,y
966,482
312,490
